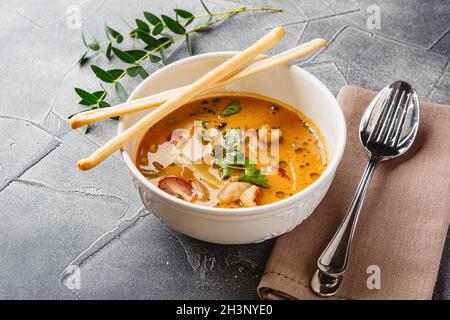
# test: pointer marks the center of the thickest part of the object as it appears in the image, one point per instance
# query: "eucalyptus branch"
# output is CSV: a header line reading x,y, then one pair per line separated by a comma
x,y
157,34
213,14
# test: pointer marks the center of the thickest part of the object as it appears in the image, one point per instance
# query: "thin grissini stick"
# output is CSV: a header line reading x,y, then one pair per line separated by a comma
x,y
95,115
224,70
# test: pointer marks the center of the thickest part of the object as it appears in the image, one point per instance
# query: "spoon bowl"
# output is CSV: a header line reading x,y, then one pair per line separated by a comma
x,y
389,125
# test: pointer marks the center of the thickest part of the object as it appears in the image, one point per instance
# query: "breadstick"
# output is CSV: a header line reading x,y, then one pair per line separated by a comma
x,y
95,115
183,96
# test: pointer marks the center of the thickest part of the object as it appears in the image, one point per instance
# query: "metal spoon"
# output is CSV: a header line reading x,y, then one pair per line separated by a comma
x,y
387,130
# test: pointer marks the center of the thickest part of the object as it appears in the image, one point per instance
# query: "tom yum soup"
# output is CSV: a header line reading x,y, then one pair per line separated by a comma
x,y
233,151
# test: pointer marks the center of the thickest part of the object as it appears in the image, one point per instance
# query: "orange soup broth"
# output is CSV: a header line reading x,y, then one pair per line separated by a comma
x,y
302,150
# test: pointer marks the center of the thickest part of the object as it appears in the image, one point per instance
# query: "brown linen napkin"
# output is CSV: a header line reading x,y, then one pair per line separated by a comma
x,y
403,223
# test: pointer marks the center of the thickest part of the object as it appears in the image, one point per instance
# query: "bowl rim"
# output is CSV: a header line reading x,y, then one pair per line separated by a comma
x,y
238,212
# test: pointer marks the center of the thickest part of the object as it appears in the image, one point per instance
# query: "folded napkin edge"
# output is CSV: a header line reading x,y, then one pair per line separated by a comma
x,y
265,290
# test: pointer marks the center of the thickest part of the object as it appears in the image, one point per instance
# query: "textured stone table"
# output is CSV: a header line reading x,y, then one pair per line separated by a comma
x,y
52,215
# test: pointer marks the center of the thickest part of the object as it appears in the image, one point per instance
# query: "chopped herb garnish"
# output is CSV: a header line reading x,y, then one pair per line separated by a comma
x,y
224,169
233,108
232,156
234,160
253,175
233,146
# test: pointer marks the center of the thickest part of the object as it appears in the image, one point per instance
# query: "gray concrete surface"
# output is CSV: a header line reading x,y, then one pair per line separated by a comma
x,y
52,215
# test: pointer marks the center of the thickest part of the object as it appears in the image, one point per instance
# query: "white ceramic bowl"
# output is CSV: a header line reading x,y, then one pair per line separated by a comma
x,y
286,83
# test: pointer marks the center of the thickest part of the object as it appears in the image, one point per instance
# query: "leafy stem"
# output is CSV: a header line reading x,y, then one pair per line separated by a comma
x,y
225,16
157,33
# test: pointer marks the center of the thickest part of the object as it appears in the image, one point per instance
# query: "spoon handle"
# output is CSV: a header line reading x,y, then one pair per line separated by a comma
x,y
333,260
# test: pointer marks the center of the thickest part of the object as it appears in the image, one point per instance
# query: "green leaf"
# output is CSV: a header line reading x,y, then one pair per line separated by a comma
x,y
121,91
253,175
85,103
202,23
116,73
173,25
104,104
136,54
124,56
137,70
142,26
102,74
256,179
234,157
93,46
189,21
163,54
205,7
151,42
84,40
183,13
153,19
158,29
86,96
98,97
99,94
83,59
108,52
133,33
154,59
134,71
143,73
224,169
189,45
166,41
233,108
116,35
233,147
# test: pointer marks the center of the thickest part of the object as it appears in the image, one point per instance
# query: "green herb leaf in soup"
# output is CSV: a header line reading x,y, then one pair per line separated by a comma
x,y
231,109
233,139
224,169
253,175
233,157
